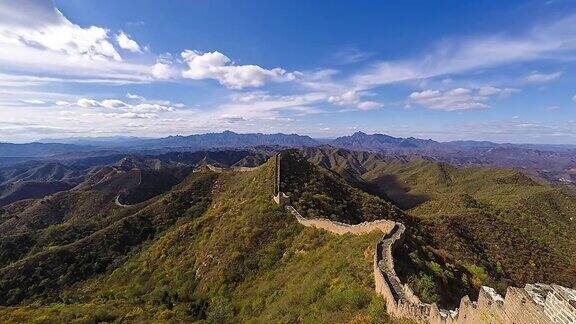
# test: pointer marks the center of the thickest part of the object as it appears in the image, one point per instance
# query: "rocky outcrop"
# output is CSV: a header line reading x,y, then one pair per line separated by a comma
x,y
533,304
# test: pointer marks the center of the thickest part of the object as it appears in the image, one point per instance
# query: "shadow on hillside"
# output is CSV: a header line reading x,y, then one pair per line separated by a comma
x,y
398,192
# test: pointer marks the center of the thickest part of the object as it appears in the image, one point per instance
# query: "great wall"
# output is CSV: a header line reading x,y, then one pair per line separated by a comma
x,y
535,303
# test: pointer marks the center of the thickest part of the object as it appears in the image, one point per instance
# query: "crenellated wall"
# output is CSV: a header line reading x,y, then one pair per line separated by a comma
x,y
533,304
341,228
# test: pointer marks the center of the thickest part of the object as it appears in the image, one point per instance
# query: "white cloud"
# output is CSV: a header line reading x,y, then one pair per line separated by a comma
x,y
347,98
258,105
217,66
62,103
135,97
574,98
130,115
354,98
141,107
127,43
88,103
455,99
113,103
48,29
369,105
487,91
550,41
459,98
147,107
536,77
34,102
163,71
39,44
253,96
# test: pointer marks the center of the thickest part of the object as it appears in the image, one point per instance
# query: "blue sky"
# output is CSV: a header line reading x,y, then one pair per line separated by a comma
x,y
446,70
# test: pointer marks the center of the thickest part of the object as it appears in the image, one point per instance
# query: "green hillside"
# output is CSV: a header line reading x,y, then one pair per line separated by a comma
x,y
243,259
215,247
468,226
316,193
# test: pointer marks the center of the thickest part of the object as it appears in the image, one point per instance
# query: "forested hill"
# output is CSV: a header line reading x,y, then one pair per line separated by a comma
x,y
215,248
498,226
317,193
163,239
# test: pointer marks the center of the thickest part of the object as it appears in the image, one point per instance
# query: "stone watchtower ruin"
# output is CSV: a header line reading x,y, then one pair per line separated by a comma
x,y
279,197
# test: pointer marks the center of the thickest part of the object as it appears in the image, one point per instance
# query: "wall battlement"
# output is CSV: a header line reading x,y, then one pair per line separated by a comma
x,y
533,304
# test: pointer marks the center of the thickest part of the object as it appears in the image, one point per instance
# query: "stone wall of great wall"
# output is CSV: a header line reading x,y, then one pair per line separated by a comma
x,y
535,303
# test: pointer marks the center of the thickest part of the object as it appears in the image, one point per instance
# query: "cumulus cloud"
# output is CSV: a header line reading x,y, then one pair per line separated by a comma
x,y
347,98
113,103
127,43
38,40
88,103
163,71
165,67
536,77
50,30
217,66
354,98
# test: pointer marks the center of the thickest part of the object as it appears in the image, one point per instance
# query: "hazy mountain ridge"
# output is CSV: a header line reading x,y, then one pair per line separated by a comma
x,y
226,139
30,150
554,163
36,179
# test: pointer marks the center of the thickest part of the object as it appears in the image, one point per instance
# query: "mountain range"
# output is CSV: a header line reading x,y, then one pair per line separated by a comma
x,y
554,163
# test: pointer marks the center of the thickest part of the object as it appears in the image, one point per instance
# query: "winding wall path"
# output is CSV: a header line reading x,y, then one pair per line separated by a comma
x,y
533,304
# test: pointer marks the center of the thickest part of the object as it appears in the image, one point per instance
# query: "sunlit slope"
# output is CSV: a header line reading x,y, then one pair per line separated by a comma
x,y
468,226
243,259
316,193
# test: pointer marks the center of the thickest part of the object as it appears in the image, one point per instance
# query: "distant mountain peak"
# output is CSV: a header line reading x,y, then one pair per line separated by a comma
x,y
382,142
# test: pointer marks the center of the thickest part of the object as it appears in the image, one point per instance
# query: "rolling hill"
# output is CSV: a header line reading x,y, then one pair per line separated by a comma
x,y
39,178
213,248
189,237
496,226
